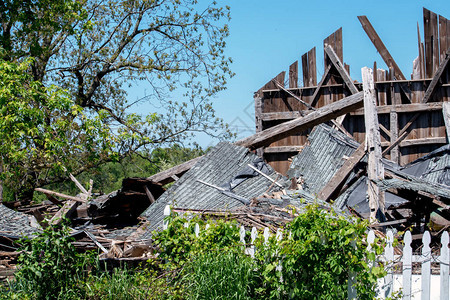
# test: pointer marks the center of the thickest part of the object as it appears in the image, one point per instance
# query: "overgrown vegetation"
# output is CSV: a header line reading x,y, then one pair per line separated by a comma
x,y
108,177
313,262
60,60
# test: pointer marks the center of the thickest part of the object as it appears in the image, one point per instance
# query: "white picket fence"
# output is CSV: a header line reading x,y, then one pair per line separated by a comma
x,y
412,287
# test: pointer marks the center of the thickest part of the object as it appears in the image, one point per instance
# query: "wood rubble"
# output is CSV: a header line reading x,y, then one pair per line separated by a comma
x,y
391,126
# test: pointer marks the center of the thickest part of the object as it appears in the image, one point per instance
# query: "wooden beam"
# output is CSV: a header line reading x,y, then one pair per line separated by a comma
x,y
284,115
165,177
446,115
281,87
323,114
381,48
403,108
393,120
341,175
149,195
340,68
436,77
315,97
52,193
375,169
417,142
336,124
283,149
78,184
68,208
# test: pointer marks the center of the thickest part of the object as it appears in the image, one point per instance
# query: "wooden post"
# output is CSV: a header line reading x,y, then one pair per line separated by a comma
x,y
393,118
375,168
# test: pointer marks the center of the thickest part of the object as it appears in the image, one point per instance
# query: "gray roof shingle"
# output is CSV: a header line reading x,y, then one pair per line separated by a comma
x,y
217,167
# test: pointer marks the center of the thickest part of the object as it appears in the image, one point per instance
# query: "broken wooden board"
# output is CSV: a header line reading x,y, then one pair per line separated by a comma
x,y
341,175
321,115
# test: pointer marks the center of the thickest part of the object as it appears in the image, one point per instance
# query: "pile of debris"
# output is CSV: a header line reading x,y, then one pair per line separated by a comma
x,y
334,168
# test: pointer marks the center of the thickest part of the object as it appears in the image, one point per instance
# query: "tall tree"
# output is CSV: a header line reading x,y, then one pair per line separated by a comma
x,y
96,50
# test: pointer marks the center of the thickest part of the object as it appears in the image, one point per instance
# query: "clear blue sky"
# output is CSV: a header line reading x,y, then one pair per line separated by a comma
x,y
267,36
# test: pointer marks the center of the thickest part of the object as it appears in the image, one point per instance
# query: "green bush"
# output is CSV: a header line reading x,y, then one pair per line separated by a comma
x,y
315,260
49,266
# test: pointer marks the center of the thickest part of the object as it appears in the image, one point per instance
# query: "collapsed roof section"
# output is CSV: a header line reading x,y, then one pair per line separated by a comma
x,y
221,180
15,225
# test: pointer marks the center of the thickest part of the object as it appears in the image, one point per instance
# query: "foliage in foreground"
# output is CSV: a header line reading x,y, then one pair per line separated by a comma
x,y
313,262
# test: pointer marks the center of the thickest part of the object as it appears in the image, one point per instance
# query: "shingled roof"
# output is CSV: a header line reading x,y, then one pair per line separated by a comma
x,y
225,166
14,224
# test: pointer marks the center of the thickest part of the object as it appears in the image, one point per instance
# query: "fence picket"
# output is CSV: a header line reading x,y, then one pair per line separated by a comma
x,y
266,236
242,235
197,229
253,236
389,255
166,214
407,266
388,287
426,266
444,260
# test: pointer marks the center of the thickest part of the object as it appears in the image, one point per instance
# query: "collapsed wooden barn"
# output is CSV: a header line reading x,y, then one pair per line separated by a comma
x,y
410,111
400,169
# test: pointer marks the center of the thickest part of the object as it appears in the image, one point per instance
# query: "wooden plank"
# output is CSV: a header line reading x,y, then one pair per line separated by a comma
x,y
315,96
323,114
309,68
393,120
68,208
381,48
446,115
293,75
437,76
444,43
431,42
375,169
165,177
149,195
340,68
52,193
283,149
335,41
78,184
259,107
305,71
403,108
284,115
421,54
423,141
341,175
312,73
96,242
